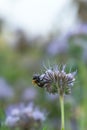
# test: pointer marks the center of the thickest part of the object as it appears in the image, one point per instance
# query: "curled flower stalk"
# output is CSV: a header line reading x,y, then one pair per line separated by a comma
x,y
56,80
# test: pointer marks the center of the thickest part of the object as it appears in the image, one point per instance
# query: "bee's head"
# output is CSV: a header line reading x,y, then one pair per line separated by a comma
x,y
36,78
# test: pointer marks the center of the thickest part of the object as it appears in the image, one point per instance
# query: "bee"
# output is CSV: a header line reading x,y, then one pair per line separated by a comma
x,y
38,80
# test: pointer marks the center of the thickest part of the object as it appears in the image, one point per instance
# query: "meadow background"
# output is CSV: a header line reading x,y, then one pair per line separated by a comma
x,y
22,54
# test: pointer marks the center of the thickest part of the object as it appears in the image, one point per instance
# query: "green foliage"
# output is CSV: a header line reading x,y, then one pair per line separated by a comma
x,y
2,118
45,128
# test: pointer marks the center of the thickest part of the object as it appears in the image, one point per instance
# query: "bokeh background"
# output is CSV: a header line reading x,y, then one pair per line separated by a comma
x,y
34,33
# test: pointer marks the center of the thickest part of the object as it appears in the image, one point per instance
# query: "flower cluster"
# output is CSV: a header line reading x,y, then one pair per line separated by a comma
x,y
55,80
24,117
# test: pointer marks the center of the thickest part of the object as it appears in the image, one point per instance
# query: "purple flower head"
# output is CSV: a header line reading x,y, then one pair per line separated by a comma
x,y
56,80
22,115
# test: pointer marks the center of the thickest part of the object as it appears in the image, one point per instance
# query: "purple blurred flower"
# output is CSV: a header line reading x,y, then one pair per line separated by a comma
x,y
80,29
29,94
78,34
38,115
14,109
51,97
6,92
58,46
12,115
12,121
22,116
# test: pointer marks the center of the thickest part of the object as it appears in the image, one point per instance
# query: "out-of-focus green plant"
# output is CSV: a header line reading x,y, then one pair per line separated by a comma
x,y
83,103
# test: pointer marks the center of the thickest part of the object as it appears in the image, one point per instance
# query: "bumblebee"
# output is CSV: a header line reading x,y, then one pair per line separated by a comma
x,y
37,80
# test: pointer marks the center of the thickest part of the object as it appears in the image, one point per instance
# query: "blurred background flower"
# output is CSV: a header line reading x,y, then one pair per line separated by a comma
x,y
24,117
29,94
6,91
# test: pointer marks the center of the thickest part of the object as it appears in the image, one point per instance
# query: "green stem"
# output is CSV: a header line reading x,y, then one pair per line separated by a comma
x,y
62,111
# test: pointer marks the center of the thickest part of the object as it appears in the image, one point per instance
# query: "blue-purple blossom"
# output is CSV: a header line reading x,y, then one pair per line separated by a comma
x,y
55,80
6,92
22,116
